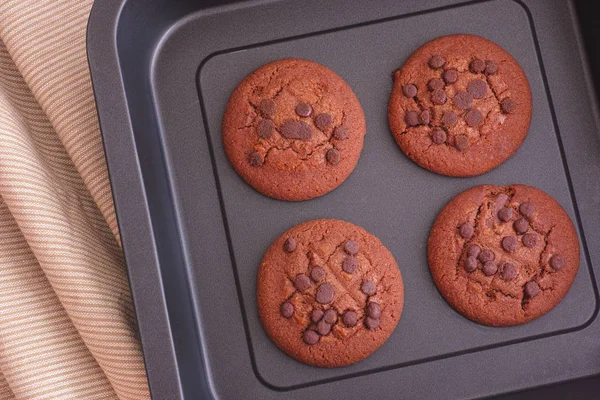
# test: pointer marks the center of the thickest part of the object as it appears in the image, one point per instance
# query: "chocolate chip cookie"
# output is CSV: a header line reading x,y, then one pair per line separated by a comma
x,y
460,106
293,129
503,255
329,293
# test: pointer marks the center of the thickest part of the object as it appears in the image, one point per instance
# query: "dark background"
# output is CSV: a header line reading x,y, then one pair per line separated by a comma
x,y
589,388
589,13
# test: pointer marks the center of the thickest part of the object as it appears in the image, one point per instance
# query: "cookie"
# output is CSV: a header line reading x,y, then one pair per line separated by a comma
x,y
293,130
460,106
329,293
503,255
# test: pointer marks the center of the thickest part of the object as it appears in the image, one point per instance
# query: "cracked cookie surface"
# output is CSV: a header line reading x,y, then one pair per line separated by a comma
x,y
460,106
293,129
329,293
503,256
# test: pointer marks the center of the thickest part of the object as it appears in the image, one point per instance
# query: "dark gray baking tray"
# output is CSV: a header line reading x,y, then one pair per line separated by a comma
x,y
194,232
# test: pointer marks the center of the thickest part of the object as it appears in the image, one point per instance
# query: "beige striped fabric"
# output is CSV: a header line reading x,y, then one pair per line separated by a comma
x,y
43,355
67,327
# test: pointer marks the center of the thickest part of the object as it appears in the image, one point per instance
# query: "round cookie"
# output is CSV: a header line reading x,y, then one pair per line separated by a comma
x,y
329,293
503,255
293,129
460,106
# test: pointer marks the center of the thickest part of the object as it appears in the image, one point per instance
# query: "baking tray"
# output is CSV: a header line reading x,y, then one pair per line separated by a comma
x,y
194,232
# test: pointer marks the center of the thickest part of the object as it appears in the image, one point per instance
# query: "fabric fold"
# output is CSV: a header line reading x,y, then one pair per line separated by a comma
x,y
67,324
47,42
41,352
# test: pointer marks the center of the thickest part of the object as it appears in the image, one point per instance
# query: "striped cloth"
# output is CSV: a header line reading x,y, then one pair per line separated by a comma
x,y
67,326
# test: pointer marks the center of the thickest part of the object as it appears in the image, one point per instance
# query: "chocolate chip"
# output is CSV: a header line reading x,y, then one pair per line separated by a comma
x,y
340,133
466,230
349,265
436,62
304,130
449,118
477,66
323,327
310,337
290,245
473,117
532,289
333,156
330,316
302,282
317,274
509,243
508,271
529,240
477,88
304,110
325,293
474,250
489,268
411,118
267,108
351,247
461,142
323,120
371,323
438,136
424,118
255,159
438,97
557,261
450,75
463,100
368,288
470,264
526,209
350,318
409,90
373,310
435,84
505,214
292,129
521,225
490,67
499,201
265,128
508,106
287,309
316,315
486,255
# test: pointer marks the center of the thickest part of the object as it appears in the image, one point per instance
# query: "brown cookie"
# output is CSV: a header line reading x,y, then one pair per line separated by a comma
x,y
503,255
471,89
318,306
293,129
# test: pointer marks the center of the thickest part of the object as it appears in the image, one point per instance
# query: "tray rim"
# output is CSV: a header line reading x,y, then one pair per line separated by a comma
x,y
101,44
